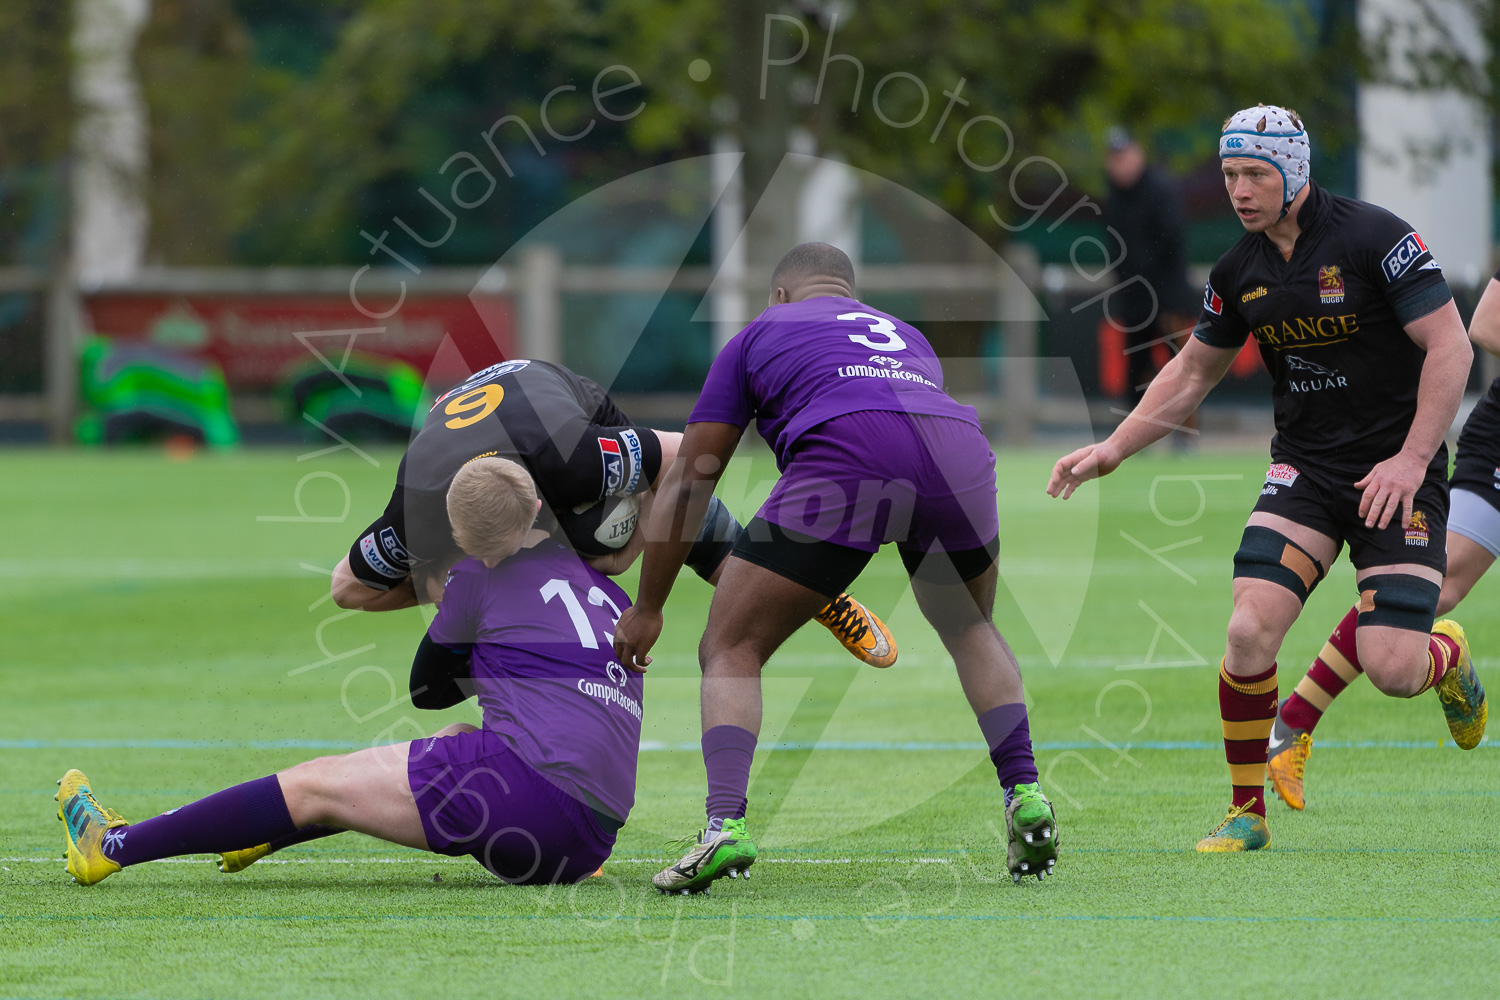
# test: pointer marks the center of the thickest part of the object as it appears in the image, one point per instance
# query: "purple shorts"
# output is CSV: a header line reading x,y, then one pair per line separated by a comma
x,y
476,796
876,476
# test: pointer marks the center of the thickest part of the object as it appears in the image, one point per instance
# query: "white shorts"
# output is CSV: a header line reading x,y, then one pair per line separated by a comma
x,y
1471,515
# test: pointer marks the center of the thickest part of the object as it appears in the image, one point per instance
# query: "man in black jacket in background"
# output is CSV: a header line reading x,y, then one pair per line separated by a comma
x,y
1144,208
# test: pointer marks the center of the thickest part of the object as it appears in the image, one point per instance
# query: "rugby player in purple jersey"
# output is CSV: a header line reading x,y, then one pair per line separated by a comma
x,y
535,795
1356,324
871,450
594,470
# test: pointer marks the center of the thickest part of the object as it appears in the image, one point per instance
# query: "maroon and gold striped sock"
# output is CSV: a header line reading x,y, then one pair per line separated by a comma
x,y
1247,706
1335,669
1442,656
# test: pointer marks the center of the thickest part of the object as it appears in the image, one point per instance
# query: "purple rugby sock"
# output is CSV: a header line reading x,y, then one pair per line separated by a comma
x,y
244,816
301,835
727,753
1008,735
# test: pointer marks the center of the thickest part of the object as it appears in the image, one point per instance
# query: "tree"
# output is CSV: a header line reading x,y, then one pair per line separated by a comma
x,y
406,83
36,122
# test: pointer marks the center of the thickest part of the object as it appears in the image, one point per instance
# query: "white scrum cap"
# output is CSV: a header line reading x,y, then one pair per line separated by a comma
x,y
1275,135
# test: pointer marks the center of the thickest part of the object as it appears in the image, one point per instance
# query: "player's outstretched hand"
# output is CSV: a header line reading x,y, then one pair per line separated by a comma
x,y
1078,467
1391,485
635,633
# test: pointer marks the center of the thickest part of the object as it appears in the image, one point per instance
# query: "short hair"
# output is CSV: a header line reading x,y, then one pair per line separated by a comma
x,y
1296,118
491,504
813,260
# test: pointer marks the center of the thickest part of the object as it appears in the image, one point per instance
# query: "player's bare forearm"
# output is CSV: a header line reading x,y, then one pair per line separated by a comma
x,y
351,594
1445,372
671,444
1484,328
1390,488
1170,399
679,507
1172,396
670,528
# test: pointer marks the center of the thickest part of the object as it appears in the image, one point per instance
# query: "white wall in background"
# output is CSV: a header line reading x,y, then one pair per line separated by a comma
x,y
1447,199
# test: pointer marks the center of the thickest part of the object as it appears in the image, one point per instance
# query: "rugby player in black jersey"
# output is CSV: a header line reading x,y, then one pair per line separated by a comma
x,y
1358,329
592,467
1473,544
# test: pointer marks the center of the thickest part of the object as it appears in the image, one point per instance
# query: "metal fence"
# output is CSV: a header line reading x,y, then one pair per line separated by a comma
x,y
535,288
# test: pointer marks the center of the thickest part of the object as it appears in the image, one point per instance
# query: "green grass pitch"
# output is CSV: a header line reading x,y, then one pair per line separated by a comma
x,y
162,634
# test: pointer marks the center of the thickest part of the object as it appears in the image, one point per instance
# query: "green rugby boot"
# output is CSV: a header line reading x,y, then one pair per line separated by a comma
x,y
712,855
1030,832
1241,830
1464,702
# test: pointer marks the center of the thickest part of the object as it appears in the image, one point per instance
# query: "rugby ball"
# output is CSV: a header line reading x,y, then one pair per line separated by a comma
x,y
602,527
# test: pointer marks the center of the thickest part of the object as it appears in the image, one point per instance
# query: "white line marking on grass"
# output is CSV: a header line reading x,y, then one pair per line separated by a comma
x,y
657,746
435,859
90,570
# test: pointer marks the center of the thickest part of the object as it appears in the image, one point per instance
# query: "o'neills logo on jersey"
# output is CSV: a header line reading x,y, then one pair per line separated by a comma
x,y
1330,285
610,696
1416,531
1307,331
1253,294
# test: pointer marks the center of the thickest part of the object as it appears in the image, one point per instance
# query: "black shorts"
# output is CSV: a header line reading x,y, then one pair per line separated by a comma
x,y
1332,507
1476,466
829,568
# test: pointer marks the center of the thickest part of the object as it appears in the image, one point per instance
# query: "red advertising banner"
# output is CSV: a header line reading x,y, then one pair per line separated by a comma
x,y
258,338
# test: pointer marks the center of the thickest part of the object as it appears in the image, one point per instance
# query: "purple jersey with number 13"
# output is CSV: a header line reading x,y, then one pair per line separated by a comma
x,y
800,364
543,663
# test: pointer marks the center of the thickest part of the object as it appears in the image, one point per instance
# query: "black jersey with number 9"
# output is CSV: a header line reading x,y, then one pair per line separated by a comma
x,y
578,446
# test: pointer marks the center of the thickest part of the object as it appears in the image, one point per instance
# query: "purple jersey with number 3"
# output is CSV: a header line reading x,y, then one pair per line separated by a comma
x,y
801,364
542,624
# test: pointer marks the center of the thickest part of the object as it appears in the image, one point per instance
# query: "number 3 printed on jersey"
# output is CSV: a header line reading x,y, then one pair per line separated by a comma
x,y
878,325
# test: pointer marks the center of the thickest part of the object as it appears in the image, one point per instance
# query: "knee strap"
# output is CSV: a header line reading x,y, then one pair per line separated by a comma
x,y
1267,554
1397,600
716,538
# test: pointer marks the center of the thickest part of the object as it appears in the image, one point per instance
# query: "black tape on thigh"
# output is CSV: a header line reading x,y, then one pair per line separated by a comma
x,y
1396,600
716,538
1267,554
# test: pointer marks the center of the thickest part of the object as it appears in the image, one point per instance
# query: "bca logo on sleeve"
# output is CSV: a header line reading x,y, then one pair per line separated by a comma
x,y
1402,256
614,464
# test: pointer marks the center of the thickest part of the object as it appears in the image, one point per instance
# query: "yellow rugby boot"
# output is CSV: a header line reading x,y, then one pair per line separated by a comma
x,y
1463,698
861,632
86,825
1286,761
237,861
1241,830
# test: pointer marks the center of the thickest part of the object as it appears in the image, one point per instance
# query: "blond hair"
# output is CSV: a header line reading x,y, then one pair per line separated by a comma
x,y
491,504
1296,119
